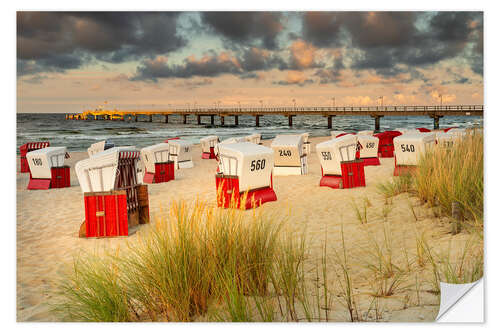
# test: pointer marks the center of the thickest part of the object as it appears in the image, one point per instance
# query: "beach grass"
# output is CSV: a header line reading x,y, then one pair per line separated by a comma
x,y
196,255
202,263
446,177
397,185
452,175
93,292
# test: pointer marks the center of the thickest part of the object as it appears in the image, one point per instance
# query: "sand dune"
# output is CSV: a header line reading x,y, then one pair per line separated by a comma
x,y
48,223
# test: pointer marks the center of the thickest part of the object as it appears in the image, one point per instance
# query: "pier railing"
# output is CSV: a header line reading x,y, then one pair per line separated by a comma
x,y
377,112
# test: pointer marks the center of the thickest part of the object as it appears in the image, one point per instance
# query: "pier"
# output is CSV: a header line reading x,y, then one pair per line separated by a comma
x,y
232,113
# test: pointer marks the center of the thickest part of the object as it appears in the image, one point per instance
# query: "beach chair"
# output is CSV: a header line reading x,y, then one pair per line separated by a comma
x,y
26,148
235,139
180,153
114,201
99,147
337,134
158,167
305,143
245,169
289,157
253,138
368,149
409,148
47,169
339,166
386,144
208,144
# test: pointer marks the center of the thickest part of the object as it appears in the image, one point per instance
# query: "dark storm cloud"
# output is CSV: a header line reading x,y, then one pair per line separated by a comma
x,y
456,78
331,74
445,37
56,63
387,39
389,43
476,55
321,28
380,29
209,66
254,59
54,40
365,29
246,27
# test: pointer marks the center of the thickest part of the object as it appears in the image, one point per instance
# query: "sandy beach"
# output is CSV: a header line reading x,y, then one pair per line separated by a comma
x,y
48,224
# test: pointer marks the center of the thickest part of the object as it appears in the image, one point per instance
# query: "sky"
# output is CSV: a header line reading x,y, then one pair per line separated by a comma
x,y
71,61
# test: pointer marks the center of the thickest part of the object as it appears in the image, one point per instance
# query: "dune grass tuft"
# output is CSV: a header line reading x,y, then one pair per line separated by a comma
x,y
93,292
196,256
397,185
454,175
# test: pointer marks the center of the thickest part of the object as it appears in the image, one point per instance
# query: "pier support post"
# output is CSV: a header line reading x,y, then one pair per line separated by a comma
x,y
436,121
257,121
135,118
377,123
199,119
222,120
150,118
290,120
166,119
236,120
212,120
184,118
330,121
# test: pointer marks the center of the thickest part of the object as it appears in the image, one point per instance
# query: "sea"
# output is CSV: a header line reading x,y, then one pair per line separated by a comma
x,y
78,135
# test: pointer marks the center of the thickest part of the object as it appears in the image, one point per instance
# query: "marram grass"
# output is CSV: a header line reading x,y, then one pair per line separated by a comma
x,y
446,175
195,258
454,175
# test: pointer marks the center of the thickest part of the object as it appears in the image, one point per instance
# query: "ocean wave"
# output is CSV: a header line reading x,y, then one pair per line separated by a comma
x,y
78,135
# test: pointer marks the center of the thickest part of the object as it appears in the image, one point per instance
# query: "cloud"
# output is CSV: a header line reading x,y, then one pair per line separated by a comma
x,y
303,55
332,74
247,28
395,45
383,40
210,65
358,100
57,41
254,59
294,78
322,28
380,29
444,37
123,81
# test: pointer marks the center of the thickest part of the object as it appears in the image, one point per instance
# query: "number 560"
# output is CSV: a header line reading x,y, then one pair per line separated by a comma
x,y
257,165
